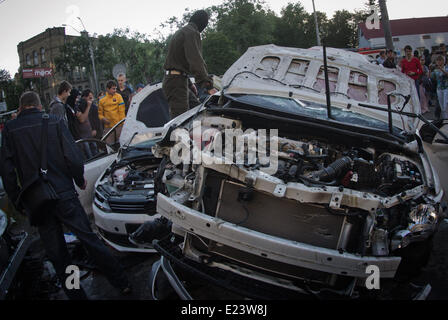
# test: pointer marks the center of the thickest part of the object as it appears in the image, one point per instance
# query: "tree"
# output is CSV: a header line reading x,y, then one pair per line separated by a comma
x,y
10,91
143,58
340,30
246,23
219,52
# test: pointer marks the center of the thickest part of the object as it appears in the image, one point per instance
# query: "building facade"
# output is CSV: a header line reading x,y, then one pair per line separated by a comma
x,y
41,51
419,33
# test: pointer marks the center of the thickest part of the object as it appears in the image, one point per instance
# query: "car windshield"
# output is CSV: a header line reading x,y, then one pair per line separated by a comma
x,y
312,110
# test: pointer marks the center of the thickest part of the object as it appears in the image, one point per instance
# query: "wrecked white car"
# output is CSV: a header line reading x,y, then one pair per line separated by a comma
x,y
286,184
121,192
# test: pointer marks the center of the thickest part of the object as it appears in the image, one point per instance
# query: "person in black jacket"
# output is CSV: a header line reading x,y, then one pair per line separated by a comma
x,y
21,141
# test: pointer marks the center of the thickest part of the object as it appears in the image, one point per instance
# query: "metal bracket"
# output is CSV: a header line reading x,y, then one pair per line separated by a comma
x,y
280,191
336,200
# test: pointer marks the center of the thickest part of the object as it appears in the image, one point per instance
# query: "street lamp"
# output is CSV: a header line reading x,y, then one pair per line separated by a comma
x,y
92,57
317,25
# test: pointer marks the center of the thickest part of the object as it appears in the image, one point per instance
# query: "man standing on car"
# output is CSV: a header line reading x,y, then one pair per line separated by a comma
x,y
111,111
21,141
185,57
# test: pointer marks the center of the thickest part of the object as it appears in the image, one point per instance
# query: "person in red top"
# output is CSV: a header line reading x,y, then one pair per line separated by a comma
x,y
411,67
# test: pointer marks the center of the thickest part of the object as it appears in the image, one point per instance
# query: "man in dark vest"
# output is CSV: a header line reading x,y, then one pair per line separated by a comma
x,y
184,58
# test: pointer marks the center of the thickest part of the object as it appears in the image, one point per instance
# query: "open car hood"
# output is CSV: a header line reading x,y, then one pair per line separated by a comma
x,y
299,73
147,115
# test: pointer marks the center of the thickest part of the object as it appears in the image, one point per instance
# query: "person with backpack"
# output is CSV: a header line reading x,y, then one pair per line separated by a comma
x,y
39,165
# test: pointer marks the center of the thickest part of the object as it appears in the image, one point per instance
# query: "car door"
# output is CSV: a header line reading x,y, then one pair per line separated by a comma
x,y
437,149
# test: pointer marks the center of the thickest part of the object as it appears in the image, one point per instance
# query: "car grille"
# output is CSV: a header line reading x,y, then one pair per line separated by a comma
x,y
148,208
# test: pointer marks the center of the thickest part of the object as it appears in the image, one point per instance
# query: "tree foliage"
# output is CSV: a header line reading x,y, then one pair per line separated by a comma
x,y
10,91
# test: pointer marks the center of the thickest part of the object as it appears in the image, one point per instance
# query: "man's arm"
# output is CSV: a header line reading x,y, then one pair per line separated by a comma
x,y
419,68
58,110
72,155
8,168
101,110
83,116
193,54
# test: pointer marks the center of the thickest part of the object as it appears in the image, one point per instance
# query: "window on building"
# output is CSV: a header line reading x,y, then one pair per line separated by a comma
x,y
35,58
28,60
84,73
426,36
42,54
76,73
396,39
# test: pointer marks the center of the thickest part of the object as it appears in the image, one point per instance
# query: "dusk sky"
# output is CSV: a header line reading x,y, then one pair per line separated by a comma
x,y
23,19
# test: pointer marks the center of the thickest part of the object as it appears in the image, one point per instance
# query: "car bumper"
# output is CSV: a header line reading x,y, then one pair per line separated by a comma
x,y
271,247
115,229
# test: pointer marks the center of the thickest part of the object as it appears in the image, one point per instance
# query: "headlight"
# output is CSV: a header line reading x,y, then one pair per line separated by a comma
x,y
422,216
100,201
423,224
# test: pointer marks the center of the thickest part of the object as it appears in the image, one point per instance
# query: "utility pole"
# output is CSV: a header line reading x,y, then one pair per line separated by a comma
x,y
386,24
92,57
317,25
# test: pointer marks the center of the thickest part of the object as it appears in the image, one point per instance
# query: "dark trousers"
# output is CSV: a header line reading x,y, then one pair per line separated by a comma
x,y
72,215
180,97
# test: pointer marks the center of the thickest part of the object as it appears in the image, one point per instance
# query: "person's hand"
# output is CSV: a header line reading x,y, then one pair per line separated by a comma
x,y
212,91
194,89
94,133
89,103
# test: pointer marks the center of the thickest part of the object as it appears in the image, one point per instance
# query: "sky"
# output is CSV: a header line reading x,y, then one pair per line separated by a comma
x,y
23,19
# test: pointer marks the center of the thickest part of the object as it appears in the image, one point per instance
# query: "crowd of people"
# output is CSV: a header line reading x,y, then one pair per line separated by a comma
x,y
89,119
429,72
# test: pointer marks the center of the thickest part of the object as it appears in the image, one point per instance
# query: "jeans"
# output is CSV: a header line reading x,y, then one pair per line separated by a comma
x,y
443,102
90,149
72,215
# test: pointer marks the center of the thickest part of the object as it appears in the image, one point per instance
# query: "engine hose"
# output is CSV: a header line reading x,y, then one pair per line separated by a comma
x,y
335,169
311,182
